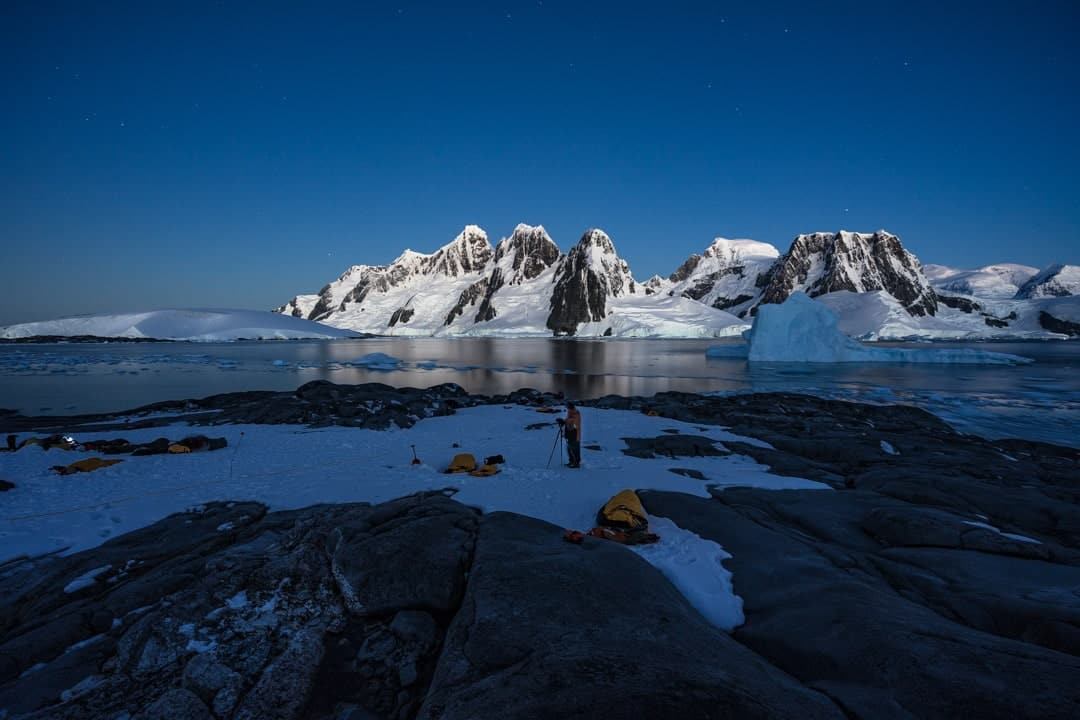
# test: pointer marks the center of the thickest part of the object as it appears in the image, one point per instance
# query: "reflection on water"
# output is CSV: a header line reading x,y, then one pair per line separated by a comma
x,y
1040,400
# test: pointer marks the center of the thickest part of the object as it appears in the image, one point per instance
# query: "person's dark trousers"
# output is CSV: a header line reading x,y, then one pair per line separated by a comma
x,y
573,447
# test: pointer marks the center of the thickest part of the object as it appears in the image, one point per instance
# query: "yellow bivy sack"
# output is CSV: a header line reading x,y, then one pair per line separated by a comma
x,y
623,511
462,463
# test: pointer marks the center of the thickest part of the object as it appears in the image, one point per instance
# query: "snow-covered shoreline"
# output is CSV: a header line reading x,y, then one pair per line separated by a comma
x,y
290,467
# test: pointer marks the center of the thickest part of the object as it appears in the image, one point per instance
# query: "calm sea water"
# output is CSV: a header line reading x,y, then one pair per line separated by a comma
x,y
1037,401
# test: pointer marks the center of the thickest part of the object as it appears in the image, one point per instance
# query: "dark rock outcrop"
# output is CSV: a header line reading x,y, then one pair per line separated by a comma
x,y
1054,324
401,315
956,302
924,624
542,634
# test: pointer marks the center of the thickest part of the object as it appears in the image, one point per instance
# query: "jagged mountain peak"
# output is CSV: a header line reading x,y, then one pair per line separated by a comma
x,y
526,229
595,237
823,262
467,253
586,277
524,255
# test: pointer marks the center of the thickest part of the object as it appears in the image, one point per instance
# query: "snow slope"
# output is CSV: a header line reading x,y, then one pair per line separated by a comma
x,y
190,324
641,315
804,330
1000,281
1054,281
878,316
292,467
725,276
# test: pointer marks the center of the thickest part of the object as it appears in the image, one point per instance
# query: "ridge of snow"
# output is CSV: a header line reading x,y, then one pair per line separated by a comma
x,y
181,324
1054,281
997,281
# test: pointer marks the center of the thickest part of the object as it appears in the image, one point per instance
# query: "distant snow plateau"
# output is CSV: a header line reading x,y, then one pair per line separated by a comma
x,y
181,324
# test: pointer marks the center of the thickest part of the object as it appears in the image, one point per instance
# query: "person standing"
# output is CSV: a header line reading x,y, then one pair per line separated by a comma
x,y
572,430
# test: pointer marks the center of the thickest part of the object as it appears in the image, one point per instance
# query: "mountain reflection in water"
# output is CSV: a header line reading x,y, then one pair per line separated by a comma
x,y
1039,401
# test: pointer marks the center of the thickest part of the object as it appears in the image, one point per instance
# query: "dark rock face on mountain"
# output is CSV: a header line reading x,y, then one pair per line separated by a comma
x,y
821,263
589,274
686,269
956,302
469,297
468,253
522,257
527,253
1057,325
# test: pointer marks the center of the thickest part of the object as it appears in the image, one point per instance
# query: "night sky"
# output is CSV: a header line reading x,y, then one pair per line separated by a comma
x,y
186,154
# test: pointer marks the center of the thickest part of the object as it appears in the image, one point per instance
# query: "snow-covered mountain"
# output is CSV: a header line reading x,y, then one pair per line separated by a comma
x,y
1054,281
520,268
526,286
193,324
820,263
589,276
1000,281
728,276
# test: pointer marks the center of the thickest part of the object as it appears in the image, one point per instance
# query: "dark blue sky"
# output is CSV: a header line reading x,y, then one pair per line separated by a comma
x,y
191,154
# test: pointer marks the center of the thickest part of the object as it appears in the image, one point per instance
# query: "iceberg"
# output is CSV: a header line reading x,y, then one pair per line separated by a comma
x,y
805,331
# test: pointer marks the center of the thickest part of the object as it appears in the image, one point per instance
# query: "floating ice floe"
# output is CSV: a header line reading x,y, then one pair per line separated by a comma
x,y
378,361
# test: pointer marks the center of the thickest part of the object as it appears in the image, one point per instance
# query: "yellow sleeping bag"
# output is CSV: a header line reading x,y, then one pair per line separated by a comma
x,y
623,511
462,463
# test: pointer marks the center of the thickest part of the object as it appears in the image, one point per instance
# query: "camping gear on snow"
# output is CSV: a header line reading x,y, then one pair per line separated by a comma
x,y
198,443
624,510
192,443
622,519
462,463
494,460
85,465
60,442
11,442
5,485
548,410
109,447
485,471
630,537
155,447
415,460
574,536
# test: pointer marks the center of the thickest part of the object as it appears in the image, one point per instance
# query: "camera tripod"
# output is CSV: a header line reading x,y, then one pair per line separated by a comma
x,y
558,441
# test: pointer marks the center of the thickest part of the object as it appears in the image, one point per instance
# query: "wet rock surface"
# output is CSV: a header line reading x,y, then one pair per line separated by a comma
x,y
939,578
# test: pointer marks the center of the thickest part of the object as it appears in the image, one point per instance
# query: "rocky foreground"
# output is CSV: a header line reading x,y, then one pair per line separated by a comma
x,y
879,600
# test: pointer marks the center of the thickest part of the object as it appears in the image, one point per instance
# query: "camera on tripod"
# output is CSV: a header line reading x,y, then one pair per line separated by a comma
x,y
561,421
